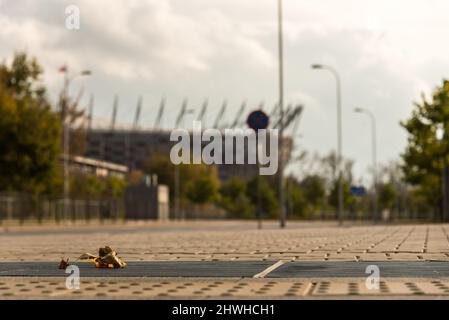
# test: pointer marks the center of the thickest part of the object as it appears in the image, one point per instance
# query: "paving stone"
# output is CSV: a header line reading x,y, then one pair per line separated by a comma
x,y
198,288
228,241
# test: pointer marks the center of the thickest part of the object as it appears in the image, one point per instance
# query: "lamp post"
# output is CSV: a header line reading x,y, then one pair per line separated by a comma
x,y
440,135
374,159
339,139
66,127
177,183
283,213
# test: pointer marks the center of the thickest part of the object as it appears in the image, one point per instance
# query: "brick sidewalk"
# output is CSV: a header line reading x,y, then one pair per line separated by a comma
x,y
227,241
219,288
239,241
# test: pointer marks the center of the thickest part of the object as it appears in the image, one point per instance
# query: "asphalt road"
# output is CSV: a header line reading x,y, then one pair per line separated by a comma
x,y
225,269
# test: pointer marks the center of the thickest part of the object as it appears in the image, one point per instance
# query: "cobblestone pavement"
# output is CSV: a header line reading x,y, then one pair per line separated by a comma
x,y
230,241
219,288
227,241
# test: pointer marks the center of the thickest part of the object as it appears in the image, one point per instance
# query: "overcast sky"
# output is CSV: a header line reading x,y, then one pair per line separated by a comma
x,y
387,53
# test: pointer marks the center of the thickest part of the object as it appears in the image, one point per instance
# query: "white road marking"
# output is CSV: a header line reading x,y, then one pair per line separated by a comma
x,y
269,269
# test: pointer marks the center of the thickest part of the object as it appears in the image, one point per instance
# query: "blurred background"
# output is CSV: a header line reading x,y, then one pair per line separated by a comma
x,y
86,112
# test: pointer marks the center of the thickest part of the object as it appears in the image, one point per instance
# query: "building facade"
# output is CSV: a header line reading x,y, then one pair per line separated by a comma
x,y
132,148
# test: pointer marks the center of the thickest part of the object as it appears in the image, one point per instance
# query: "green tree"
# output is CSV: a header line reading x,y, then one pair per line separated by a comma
x,y
164,169
22,79
314,190
297,204
198,183
29,130
348,199
202,190
330,164
425,156
268,198
115,186
329,168
82,185
387,196
306,196
233,199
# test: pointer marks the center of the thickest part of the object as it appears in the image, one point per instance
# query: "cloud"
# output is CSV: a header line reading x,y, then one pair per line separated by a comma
x,y
386,51
132,39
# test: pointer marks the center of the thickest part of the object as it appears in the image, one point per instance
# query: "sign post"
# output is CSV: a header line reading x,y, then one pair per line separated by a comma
x,y
258,120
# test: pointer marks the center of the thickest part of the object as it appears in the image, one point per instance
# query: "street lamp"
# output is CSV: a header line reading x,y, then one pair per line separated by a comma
x,y
374,155
177,184
439,135
339,139
66,127
68,79
283,213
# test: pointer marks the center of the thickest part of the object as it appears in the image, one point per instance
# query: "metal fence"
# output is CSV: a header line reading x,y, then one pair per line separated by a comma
x,y
22,208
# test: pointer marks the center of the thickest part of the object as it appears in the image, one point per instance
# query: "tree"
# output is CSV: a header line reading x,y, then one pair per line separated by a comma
x,y
268,198
82,185
164,169
306,196
91,185
29,130
387,196
198,183
202,190
296,201
348,199
330,165
314,190
233,199
115,186
425,156
22,79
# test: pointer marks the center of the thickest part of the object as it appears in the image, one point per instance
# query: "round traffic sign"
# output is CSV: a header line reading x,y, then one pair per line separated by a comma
x,y
257,120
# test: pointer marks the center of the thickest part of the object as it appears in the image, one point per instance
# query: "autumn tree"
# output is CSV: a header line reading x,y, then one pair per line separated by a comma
x,y
29,130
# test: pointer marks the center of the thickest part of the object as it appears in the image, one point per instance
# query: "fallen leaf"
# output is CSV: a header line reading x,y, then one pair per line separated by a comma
x,y
63,264
107,258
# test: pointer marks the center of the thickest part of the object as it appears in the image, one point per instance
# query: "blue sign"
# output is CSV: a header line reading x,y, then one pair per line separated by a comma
x,y
257,120
358,191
